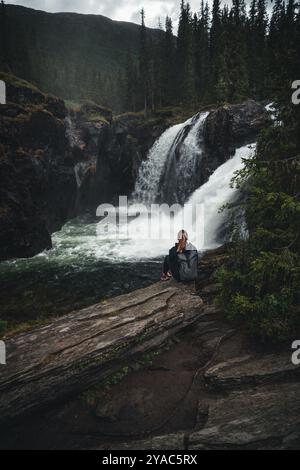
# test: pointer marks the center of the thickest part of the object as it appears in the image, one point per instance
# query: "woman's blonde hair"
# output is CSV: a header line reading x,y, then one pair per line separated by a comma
x,y
182,239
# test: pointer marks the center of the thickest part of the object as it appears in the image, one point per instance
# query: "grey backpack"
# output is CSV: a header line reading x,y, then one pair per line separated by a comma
x,y
188,263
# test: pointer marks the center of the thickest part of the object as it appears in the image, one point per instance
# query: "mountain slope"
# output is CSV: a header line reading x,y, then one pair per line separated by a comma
x,y
70,55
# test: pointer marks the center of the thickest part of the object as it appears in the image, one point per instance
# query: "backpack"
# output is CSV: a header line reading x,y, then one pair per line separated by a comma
x,y
188,263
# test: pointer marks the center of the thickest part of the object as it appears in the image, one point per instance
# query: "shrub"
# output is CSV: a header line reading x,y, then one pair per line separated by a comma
x,y
260,284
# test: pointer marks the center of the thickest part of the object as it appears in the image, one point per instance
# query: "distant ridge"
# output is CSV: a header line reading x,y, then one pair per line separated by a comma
x,y
72,55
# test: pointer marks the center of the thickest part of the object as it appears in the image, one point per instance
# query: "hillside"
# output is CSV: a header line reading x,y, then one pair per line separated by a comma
x,y
71,55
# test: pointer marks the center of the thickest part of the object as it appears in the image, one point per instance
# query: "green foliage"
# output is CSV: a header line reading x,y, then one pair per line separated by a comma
x,y
260,285
261,293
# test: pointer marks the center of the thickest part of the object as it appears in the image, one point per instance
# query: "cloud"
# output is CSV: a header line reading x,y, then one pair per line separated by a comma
x,y
123,10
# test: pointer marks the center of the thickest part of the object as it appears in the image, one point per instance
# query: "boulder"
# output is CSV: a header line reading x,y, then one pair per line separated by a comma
x,y
231,126
259,418
248,370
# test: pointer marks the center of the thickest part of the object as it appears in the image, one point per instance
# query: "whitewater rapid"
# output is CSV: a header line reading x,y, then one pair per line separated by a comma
x,y
200,216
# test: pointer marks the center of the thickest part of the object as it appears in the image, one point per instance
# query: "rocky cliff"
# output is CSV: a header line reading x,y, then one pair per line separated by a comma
x,y
37,182
122,145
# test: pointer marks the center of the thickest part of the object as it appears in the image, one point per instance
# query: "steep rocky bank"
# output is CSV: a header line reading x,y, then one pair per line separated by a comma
x,y
37,182
122,145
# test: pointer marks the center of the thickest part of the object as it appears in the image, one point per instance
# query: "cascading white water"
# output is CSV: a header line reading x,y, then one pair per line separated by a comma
x,y
200,215
216,192
209,198
74,139
191,150
169,173
150,172
182,171
71,132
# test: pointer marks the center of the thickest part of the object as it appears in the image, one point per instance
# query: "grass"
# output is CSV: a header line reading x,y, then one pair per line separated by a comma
x,y
18,82
72,105
95,117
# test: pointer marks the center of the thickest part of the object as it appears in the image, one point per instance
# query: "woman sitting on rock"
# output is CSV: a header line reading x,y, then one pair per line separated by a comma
x,y
182,261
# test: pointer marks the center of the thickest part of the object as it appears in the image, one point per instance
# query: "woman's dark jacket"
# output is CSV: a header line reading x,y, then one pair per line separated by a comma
x,y
184,266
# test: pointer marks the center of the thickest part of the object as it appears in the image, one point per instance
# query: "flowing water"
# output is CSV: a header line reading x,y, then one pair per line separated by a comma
x,y
83,268
151,170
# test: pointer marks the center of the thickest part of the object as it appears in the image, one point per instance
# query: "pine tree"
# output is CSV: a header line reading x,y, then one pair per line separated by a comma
x,y
256,44
168,64
158,67
215,45
144,64
201,51
275,42
237,59
185,56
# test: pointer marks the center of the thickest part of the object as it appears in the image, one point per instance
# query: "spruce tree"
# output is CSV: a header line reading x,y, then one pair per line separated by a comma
x,y
237,64
215,46
201,51
185,56
168,64
144,64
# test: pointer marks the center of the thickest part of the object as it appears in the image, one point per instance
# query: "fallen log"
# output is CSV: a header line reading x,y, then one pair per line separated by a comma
x,y
80,349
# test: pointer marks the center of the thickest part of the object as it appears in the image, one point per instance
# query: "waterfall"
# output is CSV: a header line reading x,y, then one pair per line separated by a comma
x,y
182,173
71,132
216,192
151,170
209,197
181,144
75,140
171,175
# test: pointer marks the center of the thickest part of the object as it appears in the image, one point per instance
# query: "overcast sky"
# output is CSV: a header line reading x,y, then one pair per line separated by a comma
x,y
125,10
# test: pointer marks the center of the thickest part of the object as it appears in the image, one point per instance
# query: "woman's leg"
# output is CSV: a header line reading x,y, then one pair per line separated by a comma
x,y
166,266
166,270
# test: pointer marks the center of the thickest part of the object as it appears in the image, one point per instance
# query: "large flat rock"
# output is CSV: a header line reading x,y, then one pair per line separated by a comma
x,y
263,417
76,351
251,370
